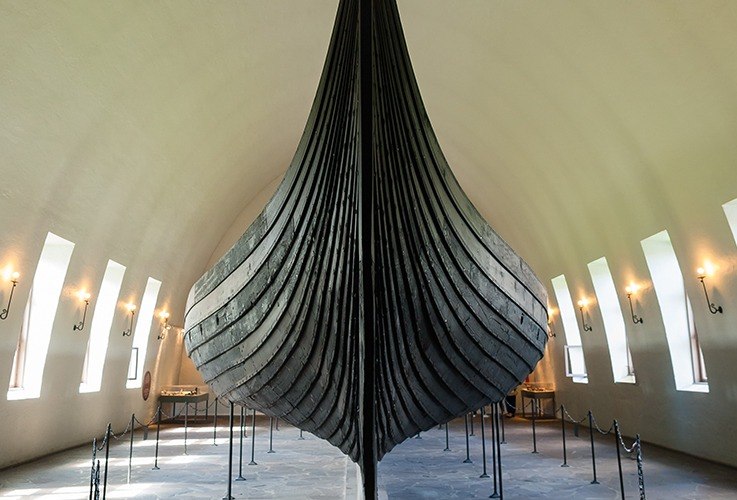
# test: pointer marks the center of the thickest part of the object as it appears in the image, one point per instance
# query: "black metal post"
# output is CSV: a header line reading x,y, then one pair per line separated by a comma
x,y
468,450
593,453
501,418
230,456
617,438
271,435
108,432
92,474
277,423
215,425
563,433
499,453
447,447
483,445
473,413
130,450
253,439
240,452
534,432
300,434
494,410
186,416
158,428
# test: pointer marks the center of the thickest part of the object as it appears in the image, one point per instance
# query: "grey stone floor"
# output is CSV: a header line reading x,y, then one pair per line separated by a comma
x,y
416,469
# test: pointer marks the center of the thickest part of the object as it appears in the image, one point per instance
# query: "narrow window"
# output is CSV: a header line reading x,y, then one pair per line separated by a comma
x,y
38,318
730,210
143,329
575,364
689,371
614,327
102,322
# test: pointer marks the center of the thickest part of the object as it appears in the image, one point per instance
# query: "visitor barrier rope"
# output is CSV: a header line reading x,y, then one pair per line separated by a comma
x,y
596,426
159,415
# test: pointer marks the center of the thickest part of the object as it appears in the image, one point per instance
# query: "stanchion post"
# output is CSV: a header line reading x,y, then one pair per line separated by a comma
x,y
253,439
501,418
277,423
300,434
563,433
108,433
483,445
468,450
617,438
186,416
534,430
92,474
640,473
230,456
215,425
447,443
240,441
158,428
472,415
130,450
499,453
494,409
271,435
593,452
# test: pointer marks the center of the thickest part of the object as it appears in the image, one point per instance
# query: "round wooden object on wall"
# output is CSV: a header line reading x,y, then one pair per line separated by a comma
x,y
146,387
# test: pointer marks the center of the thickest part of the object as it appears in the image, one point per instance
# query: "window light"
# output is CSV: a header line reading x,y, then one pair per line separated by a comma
x,y
689,372
38,322
102,322
575,364
611,314
142,331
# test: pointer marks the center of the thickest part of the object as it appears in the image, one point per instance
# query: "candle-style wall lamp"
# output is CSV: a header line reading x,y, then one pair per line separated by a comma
x,y
131,309
85,297
702,273
165,326
552,311
581,306
631,290
14,280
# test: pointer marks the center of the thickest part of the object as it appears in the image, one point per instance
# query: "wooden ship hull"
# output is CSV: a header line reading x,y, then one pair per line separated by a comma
x,y
369,300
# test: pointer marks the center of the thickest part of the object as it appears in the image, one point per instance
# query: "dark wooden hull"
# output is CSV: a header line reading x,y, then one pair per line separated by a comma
x,y
369,300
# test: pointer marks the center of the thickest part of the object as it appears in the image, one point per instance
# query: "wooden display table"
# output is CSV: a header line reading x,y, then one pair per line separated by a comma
x,y
188,399
538,396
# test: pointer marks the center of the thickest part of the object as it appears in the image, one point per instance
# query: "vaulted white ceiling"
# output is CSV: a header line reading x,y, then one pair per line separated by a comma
x,y
141,130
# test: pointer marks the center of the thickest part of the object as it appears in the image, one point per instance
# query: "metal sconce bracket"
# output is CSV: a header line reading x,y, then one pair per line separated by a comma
x,y
635,318
586,326
129,331
712,307
6,311
80,326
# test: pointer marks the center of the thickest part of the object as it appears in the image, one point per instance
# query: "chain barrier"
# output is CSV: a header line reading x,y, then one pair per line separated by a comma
x,y
570,418
632,448
596,426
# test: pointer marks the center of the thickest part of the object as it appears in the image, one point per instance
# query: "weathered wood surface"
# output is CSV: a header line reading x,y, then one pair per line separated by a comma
x,y
366,304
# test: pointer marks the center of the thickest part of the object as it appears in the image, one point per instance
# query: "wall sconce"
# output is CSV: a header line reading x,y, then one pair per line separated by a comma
x,y
165,326
551,312
702,274
84,296
131,309
581,305
631,290
13,279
